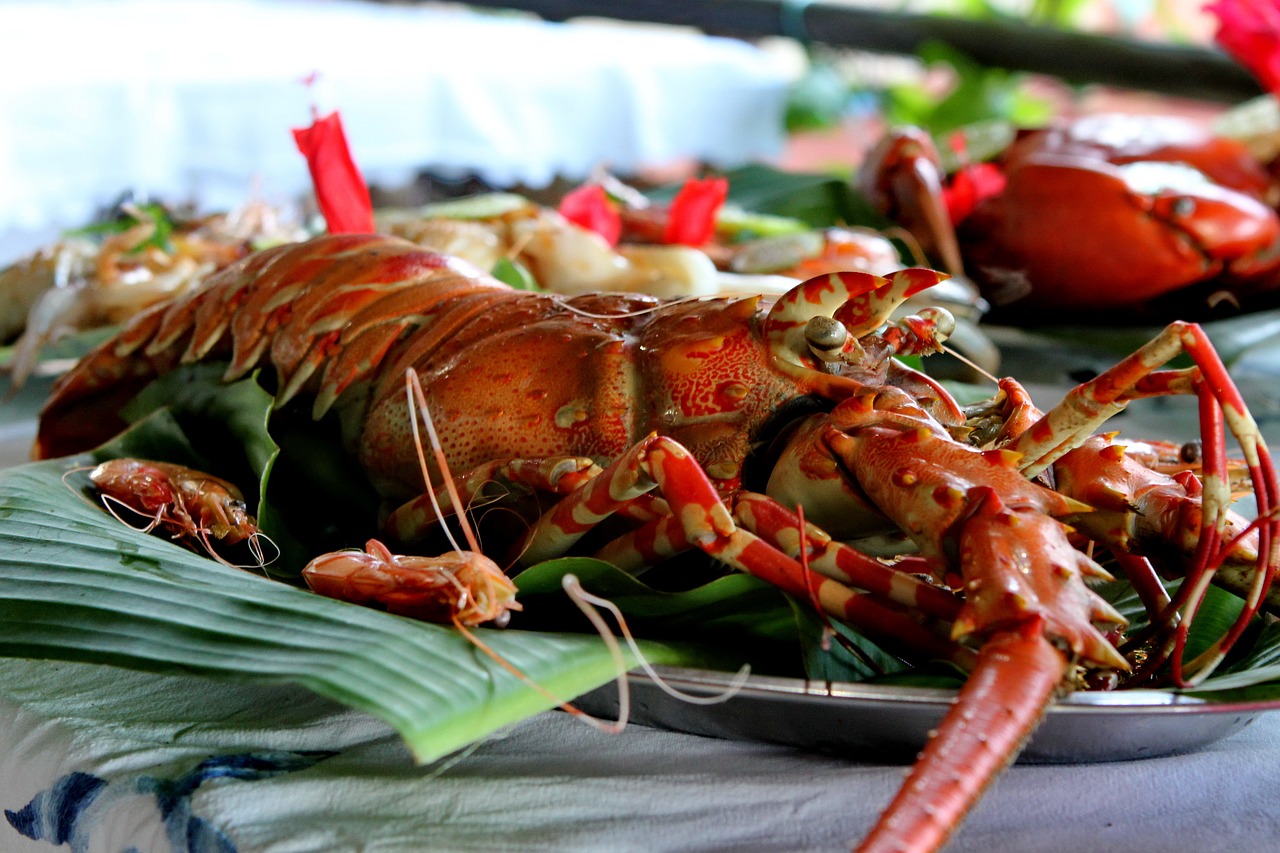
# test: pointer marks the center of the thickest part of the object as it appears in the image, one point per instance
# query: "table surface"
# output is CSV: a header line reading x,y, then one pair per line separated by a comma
x,y
116,760
194,101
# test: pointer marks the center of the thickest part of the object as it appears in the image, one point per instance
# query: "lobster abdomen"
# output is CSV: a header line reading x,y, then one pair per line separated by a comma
x,y
508,373
252,309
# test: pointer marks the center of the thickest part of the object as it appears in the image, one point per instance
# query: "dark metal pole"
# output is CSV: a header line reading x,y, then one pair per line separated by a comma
x,y
1187,71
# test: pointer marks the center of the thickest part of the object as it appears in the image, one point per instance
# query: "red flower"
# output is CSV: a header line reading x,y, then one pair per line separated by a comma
x,y
970,185
692,215
340,189
1249,30
589,206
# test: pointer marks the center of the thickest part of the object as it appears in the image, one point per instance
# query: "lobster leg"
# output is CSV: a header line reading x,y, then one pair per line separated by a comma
x,y
1154,506
557,475
1027,606
694,516
896,609
900,583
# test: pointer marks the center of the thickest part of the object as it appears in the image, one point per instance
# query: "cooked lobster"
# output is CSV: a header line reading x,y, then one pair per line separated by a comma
x,y
1138,217
625,405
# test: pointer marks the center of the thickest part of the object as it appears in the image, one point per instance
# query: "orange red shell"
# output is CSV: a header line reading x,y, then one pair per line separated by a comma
x,y
510,373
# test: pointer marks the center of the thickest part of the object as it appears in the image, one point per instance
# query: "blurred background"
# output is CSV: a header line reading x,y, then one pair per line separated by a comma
x,y
192,103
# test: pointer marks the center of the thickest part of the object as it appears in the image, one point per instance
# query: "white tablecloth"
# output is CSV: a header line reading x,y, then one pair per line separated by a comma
x,y
194,100
108,761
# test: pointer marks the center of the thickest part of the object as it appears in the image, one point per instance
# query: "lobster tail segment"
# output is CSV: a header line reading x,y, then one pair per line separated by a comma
x,y
296,307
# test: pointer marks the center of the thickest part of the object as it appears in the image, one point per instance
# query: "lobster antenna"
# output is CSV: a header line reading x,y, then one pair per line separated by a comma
x,y
829,631
956,354
418,404
608,726
639,312
588,603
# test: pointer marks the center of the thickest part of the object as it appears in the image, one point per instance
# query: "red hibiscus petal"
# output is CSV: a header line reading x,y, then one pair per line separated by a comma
x,y
692,215
969,186
1249,30
340,190
589,206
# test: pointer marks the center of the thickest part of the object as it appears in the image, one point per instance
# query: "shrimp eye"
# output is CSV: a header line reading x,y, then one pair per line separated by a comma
x,y
238,506
1184,206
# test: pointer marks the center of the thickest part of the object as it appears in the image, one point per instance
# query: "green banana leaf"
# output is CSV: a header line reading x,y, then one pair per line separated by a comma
x,y
76,584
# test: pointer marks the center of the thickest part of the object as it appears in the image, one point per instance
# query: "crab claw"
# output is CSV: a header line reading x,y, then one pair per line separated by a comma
x,y
903,177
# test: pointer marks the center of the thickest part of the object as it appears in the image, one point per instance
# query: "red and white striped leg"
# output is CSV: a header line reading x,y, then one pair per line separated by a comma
x,y
1062,435
698,518
558,475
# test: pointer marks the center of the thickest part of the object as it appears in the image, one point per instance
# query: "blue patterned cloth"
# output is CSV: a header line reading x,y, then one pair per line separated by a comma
x,y
66,812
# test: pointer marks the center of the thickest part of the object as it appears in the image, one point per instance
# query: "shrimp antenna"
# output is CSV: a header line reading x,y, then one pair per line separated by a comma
x,y
110,502
587,603
418,405
254,543
609,726
78,492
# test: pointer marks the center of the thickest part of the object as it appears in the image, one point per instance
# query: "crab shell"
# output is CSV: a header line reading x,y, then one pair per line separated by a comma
x,y
1117,213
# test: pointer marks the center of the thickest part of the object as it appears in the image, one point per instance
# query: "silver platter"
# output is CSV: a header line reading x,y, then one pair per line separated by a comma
x,y
891,723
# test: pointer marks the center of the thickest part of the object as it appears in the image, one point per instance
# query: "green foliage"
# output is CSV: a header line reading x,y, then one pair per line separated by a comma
x,y
980,94
778,200
514,273
78,585
818,100
131,216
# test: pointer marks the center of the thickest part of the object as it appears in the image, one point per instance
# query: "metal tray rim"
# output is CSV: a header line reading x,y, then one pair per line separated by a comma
x,y
1145,701
877,722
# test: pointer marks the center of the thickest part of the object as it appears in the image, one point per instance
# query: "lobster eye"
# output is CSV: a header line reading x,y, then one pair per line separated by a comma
x,y
1184,206
825,334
